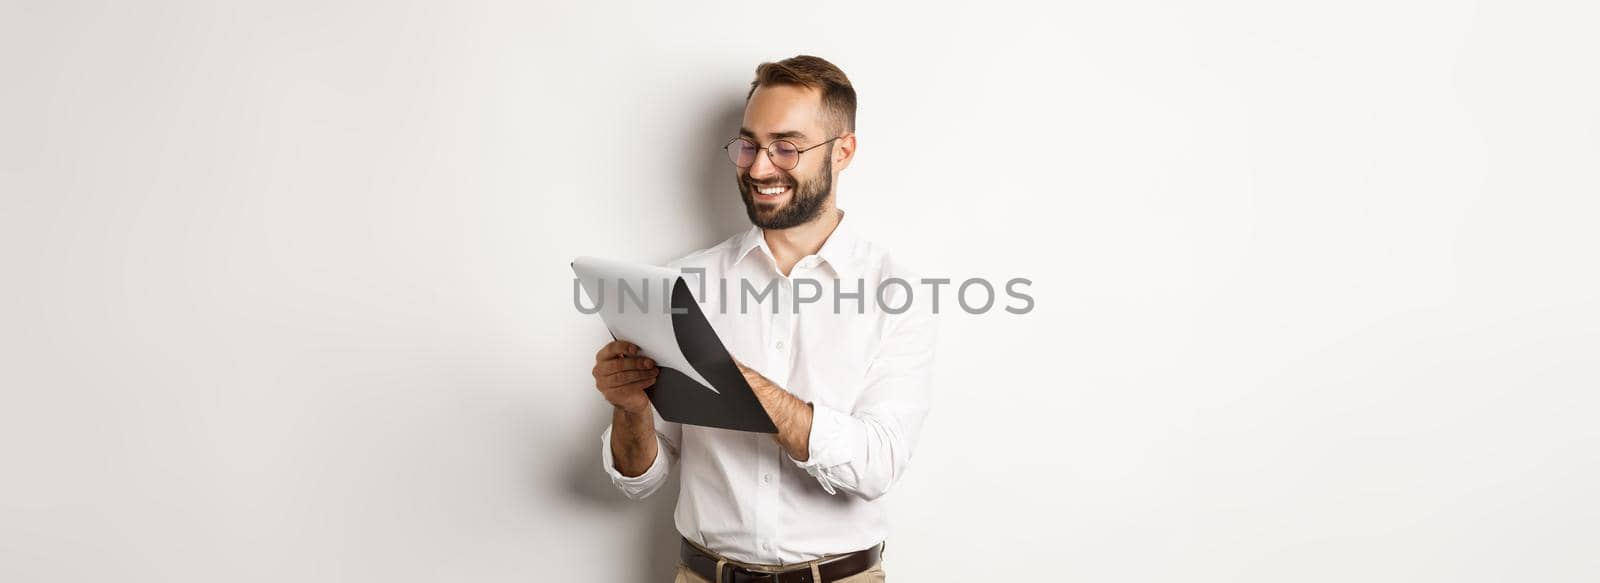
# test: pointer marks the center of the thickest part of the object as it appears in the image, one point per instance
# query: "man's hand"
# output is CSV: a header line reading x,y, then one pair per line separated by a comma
x,y
788,412
621,376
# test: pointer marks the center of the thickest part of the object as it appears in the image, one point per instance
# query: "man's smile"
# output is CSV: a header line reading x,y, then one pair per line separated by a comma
x,y
770,193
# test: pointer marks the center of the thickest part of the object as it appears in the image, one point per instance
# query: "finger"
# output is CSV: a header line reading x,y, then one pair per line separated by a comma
x,y
614,366
617,365
628,376
616,348
624,391
624,377
635,386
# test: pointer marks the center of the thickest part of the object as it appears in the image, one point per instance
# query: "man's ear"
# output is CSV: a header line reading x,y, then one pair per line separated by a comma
x,y
844,151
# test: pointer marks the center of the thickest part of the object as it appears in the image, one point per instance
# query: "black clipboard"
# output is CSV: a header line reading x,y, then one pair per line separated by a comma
x,y
681,399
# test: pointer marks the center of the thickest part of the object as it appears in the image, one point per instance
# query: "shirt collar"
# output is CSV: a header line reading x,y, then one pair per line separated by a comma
x,y
840,248
838,251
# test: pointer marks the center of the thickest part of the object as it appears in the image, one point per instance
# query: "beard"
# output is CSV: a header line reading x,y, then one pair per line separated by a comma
x,y
805,198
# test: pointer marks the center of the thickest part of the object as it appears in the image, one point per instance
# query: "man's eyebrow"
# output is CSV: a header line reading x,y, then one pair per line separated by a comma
x,y
788,135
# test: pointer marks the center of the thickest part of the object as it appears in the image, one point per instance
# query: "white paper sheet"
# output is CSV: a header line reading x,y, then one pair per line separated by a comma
x,y
650,327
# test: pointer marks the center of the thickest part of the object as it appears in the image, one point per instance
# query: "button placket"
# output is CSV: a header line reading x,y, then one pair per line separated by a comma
x,y
766,494
778,330
778,333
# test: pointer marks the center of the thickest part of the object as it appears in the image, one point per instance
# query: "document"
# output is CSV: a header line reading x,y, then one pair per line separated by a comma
x,y
653,307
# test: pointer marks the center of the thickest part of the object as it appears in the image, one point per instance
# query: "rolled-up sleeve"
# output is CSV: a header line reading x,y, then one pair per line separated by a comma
x,y
866,450
668,436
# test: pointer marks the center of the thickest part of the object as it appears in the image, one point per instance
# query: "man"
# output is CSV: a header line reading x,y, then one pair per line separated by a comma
x,y
844,377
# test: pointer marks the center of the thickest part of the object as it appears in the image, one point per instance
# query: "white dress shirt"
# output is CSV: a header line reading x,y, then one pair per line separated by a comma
x,y
864,369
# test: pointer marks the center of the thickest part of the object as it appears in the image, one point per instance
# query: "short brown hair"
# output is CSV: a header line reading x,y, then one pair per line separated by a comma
x,y
838,96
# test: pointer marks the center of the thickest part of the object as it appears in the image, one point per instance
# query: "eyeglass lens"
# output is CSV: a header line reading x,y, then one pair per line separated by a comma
x,y
784,154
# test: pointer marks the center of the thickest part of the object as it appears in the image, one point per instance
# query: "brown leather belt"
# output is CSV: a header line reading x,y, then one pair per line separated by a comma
x,y
831,568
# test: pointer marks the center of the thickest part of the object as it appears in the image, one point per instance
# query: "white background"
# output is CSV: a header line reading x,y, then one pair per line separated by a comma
x,y
286,294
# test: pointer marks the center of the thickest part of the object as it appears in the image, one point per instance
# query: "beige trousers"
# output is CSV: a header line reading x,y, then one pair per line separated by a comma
x,y
872,575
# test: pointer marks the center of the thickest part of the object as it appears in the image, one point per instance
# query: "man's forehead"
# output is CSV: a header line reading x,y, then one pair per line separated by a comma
x,y
782,112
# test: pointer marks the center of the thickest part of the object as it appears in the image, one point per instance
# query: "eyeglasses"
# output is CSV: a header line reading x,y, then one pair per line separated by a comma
x,y
783,153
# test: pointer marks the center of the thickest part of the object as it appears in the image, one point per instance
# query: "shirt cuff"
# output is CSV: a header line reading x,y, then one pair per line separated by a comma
x,y
828,444
637,486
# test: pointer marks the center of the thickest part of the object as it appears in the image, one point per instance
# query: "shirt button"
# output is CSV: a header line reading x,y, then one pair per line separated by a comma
x,y
780,345
767,478
767,546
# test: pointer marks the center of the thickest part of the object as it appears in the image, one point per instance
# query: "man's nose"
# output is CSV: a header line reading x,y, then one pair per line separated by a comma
x,y
763,168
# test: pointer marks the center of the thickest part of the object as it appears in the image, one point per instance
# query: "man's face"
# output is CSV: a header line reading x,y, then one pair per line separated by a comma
x,y
776,198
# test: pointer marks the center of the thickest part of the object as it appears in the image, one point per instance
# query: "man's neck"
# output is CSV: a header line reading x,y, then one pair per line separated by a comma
x,y
791,245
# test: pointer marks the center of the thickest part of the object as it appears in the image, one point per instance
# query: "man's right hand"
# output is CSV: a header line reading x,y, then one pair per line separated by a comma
x,y
621,376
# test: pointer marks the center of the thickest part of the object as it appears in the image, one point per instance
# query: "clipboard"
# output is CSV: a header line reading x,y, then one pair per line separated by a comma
x,y
652,307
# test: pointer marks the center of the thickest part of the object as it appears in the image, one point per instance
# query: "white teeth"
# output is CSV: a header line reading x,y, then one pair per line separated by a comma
x,y
773,190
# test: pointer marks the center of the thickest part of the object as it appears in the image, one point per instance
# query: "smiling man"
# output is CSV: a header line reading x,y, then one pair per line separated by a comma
x,y
844,375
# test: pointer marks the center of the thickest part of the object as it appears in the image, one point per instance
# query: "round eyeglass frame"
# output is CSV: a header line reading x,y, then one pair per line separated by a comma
x,y
772,154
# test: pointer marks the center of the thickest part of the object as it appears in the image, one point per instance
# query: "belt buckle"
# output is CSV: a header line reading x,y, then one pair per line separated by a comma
x,y
743,575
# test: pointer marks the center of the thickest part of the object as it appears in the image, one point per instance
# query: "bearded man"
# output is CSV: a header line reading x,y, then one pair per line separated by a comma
x,y
845,380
